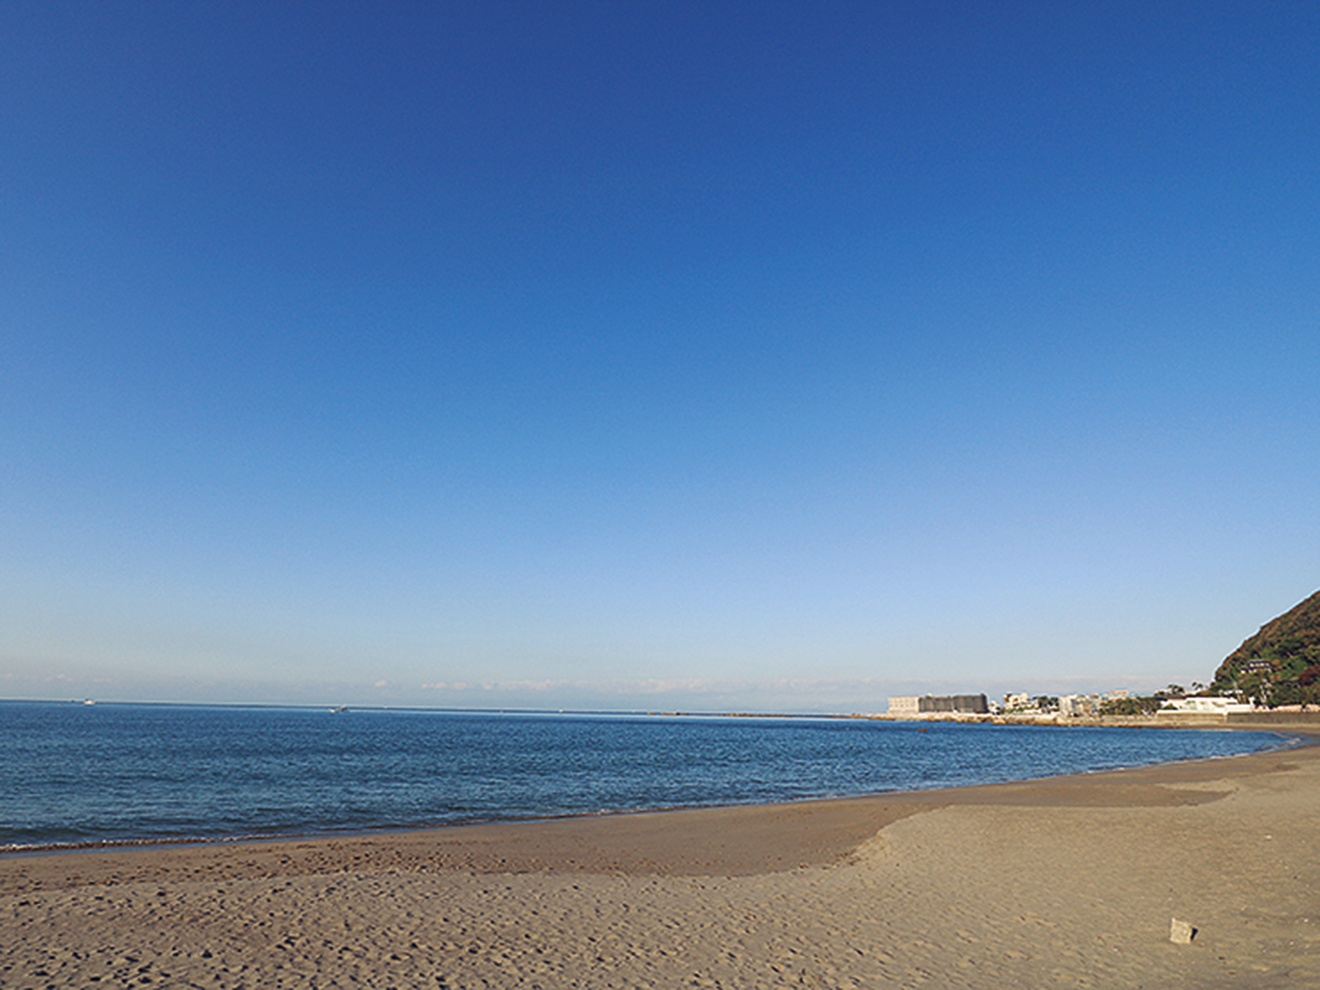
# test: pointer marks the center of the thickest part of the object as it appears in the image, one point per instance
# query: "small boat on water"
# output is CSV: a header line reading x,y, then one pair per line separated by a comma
x,y
339,710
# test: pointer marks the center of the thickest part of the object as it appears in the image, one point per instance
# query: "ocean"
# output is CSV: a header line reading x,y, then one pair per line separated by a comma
x,y
75,774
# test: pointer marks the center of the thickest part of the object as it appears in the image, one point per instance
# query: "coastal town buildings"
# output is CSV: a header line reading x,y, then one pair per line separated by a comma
x,y
1023,707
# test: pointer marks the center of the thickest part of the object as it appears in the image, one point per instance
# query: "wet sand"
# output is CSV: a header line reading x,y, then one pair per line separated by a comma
x,y
1064,882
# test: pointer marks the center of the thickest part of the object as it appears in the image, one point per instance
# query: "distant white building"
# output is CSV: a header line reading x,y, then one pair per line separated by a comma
x,y
1079,704
1205,706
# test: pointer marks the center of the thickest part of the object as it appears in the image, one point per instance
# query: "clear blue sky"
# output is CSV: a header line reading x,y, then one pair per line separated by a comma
x,y
695,355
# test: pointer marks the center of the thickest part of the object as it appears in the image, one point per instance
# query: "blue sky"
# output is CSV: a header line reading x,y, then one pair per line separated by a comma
x,y
721,355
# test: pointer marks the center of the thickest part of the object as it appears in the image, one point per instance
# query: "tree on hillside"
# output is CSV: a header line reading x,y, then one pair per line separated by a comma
x,y
1280,651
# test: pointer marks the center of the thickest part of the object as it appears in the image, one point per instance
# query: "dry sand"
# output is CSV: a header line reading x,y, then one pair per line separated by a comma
x,y
1070,882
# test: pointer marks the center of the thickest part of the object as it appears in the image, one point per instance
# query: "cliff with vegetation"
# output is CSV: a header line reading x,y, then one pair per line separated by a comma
x,y
1280,665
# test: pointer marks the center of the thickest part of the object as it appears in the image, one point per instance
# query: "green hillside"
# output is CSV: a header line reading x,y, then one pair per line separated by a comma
x,y
1280,665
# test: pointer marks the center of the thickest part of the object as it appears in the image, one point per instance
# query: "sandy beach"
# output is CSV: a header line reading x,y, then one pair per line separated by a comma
x,y
1068,882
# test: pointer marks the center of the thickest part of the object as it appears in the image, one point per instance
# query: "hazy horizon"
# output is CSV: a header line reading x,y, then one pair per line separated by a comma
x,y
791,696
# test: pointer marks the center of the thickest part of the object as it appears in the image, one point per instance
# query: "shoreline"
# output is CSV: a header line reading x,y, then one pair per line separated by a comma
x,y
1068,881
499,839
1293,735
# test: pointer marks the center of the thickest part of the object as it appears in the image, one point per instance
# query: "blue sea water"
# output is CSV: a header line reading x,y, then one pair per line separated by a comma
x,y
74,773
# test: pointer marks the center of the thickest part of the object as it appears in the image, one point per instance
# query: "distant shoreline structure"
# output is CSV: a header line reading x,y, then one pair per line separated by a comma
x,y
930,704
